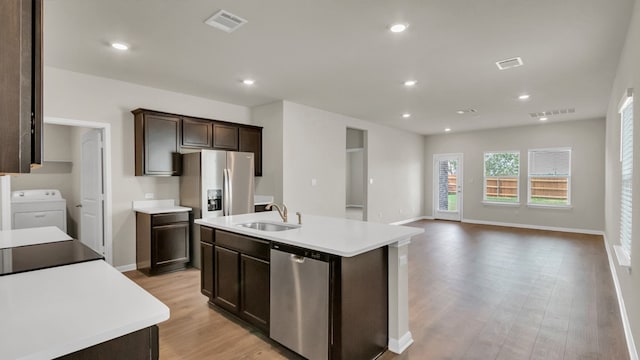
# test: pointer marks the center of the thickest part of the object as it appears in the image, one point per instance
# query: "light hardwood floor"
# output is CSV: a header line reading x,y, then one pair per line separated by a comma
x,y
476,292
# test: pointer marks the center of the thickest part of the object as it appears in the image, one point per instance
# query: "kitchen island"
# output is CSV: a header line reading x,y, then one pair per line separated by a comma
x,y
75,311
363,257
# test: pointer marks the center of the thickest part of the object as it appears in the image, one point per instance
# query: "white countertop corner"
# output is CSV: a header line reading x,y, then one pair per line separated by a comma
x,y
262,199
331,235
83,305
158,206
31,236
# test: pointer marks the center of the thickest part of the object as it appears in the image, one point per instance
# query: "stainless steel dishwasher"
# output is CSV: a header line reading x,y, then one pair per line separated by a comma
x,y
299,300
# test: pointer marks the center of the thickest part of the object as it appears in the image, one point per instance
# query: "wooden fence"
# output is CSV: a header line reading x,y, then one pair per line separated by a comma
x,y
546,188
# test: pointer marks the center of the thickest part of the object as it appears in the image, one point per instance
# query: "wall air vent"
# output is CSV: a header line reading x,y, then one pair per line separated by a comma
x,y
509,63
225,21
552,112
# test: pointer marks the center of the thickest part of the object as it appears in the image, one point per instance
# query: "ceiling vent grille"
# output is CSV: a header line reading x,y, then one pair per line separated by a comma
x,y
552,112
225,21
509,63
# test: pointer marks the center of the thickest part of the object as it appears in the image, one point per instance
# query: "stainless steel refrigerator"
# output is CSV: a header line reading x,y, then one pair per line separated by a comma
x,y
215,183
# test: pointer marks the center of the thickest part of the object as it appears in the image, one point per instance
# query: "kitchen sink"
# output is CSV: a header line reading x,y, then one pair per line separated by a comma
x,y
269,226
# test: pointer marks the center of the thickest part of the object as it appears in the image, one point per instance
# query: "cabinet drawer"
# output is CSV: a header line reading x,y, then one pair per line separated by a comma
x,y
206,234
163,219
244,244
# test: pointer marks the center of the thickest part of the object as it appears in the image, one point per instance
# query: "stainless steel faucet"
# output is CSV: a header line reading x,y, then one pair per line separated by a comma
x,y
299,217
282,212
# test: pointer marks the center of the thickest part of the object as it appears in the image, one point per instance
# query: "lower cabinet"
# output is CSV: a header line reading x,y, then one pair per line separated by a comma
x,y
162,242
240,276
141,344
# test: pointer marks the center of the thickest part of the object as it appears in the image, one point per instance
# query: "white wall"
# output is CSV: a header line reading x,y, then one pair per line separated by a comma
x,y
586,138
314,143
269,116
57,146
83,97
628,76
355,177
5,202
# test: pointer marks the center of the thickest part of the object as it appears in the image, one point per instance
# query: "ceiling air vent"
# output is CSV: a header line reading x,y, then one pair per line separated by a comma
x,y
225,21
509,63
552,112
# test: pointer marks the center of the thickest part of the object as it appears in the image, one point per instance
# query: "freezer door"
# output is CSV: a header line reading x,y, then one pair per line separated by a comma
x,y
240,185
213,165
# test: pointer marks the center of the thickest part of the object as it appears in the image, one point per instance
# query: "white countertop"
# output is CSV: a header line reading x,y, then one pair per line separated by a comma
x,y
158,206
31,236
327,234
262,199
49,313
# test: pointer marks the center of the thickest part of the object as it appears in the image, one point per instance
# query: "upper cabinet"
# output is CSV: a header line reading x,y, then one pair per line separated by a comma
x,y
197,133
20,85
160,138
225,136
250,140
157,143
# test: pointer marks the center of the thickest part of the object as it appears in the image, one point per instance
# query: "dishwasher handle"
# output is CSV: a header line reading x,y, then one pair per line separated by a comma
x,y
297,258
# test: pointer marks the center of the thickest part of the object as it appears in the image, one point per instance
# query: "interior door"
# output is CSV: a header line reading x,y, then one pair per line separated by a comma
x,y
447,192
92,190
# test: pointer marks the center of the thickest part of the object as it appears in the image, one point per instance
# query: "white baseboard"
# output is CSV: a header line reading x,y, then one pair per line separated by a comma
x,y
398,346
125,268
534,227
402,222
633,352
355,206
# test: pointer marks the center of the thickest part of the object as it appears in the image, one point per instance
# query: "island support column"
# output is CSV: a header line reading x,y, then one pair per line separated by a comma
x,y
399,335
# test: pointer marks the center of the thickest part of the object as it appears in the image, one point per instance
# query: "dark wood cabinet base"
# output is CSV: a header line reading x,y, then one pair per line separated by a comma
x,y
140,345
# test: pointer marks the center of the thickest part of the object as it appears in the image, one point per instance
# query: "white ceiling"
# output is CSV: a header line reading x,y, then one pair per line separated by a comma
x,y
338,55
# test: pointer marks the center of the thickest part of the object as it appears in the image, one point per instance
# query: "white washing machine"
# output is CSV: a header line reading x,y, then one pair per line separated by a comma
x,y
38,208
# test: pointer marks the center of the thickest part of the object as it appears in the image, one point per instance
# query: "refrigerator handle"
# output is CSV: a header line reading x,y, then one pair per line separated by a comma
x,y
225,192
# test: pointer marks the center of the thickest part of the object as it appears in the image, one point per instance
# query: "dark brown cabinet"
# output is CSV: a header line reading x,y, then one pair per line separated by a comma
x,y
250,140
225,136
162,242
206,261
254,290
160,138
197,133
157,143
20,85
241,276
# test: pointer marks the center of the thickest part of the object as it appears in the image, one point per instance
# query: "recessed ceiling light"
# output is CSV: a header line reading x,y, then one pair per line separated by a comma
x,y
398,28
406,115
410,83
460,112
524,97
544,118
248,81
447,129
120,46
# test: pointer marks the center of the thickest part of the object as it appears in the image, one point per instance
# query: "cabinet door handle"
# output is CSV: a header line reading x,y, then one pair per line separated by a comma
x,y
40,215
297,259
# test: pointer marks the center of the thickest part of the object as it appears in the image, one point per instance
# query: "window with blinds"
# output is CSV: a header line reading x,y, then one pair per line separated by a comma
x,y
626,166
549,179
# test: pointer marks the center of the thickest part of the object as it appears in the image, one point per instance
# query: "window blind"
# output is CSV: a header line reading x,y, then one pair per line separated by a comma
x,y
550,162
626,158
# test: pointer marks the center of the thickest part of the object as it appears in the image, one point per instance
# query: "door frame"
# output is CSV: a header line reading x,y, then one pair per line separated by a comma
x,y
107,214
459,182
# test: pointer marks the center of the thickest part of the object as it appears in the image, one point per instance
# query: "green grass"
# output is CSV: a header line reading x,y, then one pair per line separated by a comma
x,y
544,201
503,199
453,202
